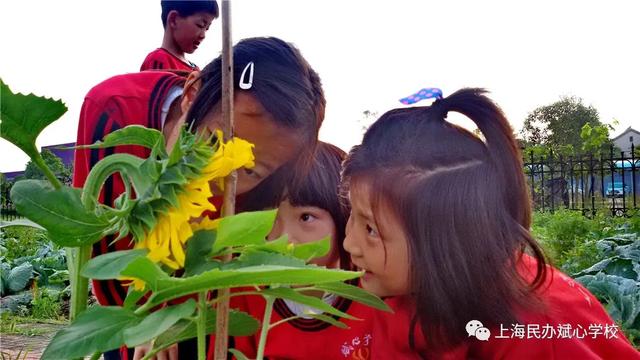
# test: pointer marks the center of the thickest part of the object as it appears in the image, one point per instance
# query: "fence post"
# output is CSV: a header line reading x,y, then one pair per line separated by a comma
x,y
624,200
552,180
604,198
633,175
573,187
582,183
532,170
542,180
613,177
565,195
592,191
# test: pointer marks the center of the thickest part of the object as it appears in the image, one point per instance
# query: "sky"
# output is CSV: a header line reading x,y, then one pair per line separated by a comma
x,y
369,54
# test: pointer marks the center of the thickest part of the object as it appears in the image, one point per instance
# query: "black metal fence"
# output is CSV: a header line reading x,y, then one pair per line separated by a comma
x,y
7,209
588,183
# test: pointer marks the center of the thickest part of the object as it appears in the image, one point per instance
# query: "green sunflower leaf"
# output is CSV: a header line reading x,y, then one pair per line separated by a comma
x,y
25,116
59,211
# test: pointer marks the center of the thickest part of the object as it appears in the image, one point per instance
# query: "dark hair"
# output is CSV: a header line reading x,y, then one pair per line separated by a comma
x,y
284,84
464,208
320,188
187,8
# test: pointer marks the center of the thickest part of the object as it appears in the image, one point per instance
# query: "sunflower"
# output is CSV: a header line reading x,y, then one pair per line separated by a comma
x,y
166,240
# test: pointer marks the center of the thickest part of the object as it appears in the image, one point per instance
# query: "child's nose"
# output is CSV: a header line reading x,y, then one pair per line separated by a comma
x,y
350,244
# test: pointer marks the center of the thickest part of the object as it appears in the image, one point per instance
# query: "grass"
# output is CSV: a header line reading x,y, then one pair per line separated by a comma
x,y
15,325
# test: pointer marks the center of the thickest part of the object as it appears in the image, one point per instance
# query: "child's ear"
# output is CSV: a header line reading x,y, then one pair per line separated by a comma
x,y
191,88
171,18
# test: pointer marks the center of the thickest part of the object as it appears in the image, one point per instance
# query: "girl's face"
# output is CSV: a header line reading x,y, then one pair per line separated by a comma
x,y
305,224
380,249
274,145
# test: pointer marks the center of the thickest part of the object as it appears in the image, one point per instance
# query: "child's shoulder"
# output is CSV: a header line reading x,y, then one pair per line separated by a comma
x,y
562,295
162,59
572,323
132,83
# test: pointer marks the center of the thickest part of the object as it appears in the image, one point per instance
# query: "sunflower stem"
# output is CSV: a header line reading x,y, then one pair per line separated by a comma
x,y
202,326
37,158
79,283
265,326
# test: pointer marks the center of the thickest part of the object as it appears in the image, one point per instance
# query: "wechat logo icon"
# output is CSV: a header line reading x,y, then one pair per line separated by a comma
x,y
475,328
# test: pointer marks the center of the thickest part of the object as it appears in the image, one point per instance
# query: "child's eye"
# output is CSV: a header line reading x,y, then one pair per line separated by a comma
x,y
306,217
371,231
251,173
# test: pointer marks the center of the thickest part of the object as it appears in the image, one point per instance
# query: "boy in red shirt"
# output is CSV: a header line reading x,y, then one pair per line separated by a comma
x,y
185,25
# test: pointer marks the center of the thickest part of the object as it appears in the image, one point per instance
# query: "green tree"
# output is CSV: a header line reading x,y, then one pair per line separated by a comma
x,y
62,172
558,126
5,187
595,138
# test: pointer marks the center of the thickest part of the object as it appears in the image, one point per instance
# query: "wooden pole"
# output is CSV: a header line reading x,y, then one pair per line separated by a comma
x,y
229,204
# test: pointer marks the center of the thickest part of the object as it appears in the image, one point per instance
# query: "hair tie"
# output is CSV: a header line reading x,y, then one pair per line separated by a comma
x,y
246,85
426,93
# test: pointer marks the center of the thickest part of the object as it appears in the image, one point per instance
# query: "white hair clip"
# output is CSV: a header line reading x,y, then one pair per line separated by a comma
x,y
247,85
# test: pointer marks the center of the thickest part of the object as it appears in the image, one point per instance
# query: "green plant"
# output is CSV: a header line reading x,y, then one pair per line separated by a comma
x,y
560,232
14,279
171,188
21,355
46,304
615,281
20,241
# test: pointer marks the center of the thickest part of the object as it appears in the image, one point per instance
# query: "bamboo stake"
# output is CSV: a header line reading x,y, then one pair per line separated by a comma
x,y
229,204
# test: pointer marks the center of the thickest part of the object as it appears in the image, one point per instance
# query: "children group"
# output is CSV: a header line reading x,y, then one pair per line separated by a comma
x,y
436,218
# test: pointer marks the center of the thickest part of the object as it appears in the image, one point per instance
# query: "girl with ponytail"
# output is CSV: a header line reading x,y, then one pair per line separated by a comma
x,y
440,224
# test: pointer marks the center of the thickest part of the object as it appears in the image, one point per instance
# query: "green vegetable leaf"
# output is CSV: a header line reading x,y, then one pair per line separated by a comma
x,y
238,354
25,116
279,245
59,211
257,258
354,293
99,328
20,222
109,266
146,270
329,320
158,322
19,276
240,324
133,296
317,303
198,254
171,288
311,250
249,228
132,135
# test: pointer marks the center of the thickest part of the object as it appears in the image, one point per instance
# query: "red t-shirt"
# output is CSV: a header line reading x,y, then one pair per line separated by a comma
x,y
571,309
111,105
306,338
161,59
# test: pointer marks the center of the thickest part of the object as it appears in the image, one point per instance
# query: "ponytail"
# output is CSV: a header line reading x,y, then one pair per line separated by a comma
x,y
504,154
